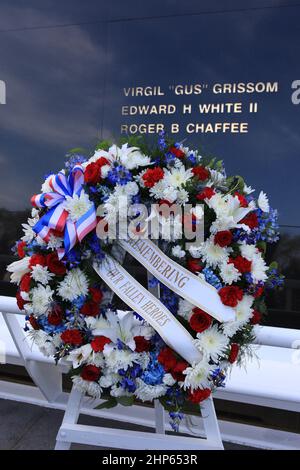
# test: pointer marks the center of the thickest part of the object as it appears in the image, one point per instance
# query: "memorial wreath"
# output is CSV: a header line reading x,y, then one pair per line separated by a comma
x,y
176,346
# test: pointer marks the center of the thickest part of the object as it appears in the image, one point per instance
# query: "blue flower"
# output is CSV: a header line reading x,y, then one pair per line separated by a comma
x,y
128,384
119,175
212,278
161,140
154,373
74,159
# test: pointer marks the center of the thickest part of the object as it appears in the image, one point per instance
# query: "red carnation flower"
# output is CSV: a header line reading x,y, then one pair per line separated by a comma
x,y
167,358
73,337
20,249
206,193
200,320
241,264
96,294
33,322
99,342
102,161
234,352
259,292
90,309
200,172
194,265
223,238
199,395
231,295
177,152
37,259
92,173
56,315
25,283
177,371
20,301
55,265
90,373
141,344
243,201
251,220
256,317
152,176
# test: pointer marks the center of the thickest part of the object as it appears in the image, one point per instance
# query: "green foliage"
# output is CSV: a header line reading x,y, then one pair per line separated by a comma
x,y
235,183
126,401
77,150
110,403
103,145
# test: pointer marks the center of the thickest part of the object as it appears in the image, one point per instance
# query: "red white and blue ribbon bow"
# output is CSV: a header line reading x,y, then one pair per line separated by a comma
x,y
56,218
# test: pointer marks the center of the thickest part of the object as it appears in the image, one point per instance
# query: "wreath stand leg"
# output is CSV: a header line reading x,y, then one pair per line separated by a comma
x,y
71,432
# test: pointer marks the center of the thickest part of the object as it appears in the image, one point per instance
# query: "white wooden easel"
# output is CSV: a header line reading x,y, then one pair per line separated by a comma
x,y
72,432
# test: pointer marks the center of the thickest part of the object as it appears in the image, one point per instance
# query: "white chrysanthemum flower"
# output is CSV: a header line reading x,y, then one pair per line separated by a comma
x,y
147,392
177,252
131,188
229,273
41,274
41,298
29,233
195,251
18,269
259,268
248,189
244,312
182,197
157,191
197,375
77,206
73,285
213,254
248,251
168,380
108,378
212,343
230,328
244,309
170,194
118,359
54,242
87,387
117,391
177,177
43,341
185,309
263,202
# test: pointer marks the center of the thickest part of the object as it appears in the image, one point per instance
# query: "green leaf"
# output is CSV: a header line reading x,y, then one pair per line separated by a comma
x,y
77,150
262,246
110,403
125,401
103,145
273,265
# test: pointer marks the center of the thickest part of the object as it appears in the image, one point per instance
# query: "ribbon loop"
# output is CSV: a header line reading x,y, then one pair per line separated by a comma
x,y
57,217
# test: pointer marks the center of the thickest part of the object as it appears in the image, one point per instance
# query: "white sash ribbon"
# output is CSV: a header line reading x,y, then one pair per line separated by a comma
x,y
186,284
148,307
